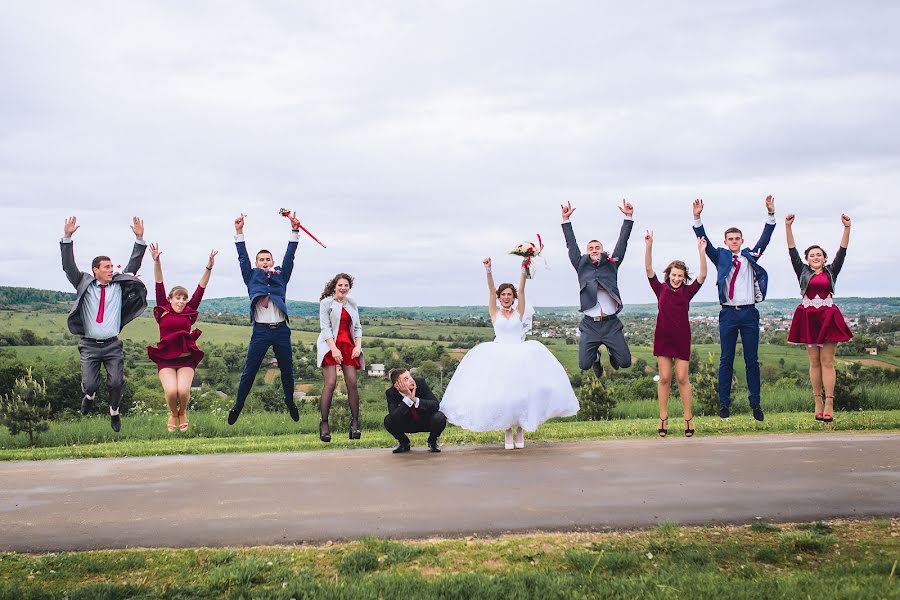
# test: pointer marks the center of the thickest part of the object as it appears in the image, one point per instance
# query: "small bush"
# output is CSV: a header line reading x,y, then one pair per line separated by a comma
x,y
596,402
761,527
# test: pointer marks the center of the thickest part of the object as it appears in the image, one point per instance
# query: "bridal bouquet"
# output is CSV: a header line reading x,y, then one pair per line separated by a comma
x,y
529,250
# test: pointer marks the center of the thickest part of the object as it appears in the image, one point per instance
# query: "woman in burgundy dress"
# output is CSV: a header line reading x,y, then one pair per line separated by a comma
x,y
672,338
818,322
177,355
339,345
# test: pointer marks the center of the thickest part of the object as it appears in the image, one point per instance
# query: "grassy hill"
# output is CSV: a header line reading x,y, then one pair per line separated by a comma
x,y
35,299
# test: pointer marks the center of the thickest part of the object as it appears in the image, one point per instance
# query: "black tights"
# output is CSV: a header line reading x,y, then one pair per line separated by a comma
x,y
330,375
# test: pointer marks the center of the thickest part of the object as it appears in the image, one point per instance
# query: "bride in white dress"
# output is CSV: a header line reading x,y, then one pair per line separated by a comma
x,y
509,382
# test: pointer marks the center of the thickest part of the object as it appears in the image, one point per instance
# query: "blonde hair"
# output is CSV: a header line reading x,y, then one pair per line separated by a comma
x,y
178,291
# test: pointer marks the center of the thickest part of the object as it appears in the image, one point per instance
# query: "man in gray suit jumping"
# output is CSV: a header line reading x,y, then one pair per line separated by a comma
x,y
598,276
105,301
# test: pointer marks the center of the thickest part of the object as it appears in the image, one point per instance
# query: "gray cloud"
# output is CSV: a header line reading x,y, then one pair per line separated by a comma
x,y
418,138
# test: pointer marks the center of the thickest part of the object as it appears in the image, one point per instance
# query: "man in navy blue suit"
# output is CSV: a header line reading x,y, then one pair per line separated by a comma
x,y
742,282
267,288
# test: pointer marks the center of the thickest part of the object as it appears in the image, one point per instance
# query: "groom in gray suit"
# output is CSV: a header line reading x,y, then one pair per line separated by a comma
x,y
105,301
598,276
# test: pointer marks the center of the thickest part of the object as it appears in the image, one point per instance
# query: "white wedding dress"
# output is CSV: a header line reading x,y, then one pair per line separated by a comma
x,y
508,382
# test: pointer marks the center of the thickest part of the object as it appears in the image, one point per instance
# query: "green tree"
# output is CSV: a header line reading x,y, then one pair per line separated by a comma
x,y
596,402
24,409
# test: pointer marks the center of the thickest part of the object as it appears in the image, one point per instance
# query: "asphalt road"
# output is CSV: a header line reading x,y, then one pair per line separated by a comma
x,y
254,499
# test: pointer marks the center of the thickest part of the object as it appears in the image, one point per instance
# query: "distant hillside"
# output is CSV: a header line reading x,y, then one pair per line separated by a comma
x,y
35,299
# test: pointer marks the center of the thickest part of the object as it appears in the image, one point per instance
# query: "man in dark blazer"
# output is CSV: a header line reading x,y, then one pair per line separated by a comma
x,y
267,289
105,301
412,408
742,282
600,301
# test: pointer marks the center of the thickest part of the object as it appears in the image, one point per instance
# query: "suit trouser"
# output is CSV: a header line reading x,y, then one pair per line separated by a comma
x,y
434,425
608,332
264,336
109,353
743,320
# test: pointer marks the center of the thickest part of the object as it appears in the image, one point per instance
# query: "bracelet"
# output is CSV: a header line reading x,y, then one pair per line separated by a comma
x,y
488,271
771,214
295,230
209,268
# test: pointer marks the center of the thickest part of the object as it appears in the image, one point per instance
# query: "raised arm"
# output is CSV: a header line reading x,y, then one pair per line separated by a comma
x,y
241,245
569,234
648,254
789,230
625,232
492,290
701,249
67,250
700,231
522,280
287,264
839,256
204,279
157,265
796,263
845,237
140,246
767,229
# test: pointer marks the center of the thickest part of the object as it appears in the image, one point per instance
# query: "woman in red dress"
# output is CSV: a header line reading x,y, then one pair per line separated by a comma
x,y
177,355
339,345
818,321
672,338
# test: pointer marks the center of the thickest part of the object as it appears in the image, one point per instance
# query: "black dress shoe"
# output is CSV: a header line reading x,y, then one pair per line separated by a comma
x,y
115,421
598,369
233,415
86,404
433,446
401,449
758,413
325,435
724,412
295,412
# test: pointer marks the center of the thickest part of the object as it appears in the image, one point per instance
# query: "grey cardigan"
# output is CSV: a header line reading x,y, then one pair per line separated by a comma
x,y
134,292
805,273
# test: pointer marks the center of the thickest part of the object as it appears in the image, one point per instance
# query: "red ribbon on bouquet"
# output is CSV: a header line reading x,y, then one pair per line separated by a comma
x,y
527,262
286,213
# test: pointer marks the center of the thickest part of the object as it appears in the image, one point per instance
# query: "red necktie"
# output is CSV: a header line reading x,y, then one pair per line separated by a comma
x,y
102,303
737,268
412,411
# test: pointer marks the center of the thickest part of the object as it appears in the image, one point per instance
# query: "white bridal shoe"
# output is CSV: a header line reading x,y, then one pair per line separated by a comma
x,y
520,438
509,439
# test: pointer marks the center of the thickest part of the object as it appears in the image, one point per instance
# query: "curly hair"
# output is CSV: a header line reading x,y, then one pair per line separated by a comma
x,y
329,287
507,286
677,264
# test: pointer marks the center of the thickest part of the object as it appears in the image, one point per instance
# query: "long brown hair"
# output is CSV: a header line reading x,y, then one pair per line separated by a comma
x,y
332,283
677,264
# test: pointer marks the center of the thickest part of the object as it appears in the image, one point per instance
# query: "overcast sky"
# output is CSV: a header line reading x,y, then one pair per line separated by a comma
x,y
415,138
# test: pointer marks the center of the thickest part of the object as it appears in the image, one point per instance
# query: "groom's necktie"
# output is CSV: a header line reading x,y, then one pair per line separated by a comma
x,y
102,307
413,412
737,269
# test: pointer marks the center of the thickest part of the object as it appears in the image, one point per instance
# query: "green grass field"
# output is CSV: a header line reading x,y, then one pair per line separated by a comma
x,y
91,437
836,559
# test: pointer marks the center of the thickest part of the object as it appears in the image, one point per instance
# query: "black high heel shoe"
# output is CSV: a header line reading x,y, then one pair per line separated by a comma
x,y
326,436
354,434
663,427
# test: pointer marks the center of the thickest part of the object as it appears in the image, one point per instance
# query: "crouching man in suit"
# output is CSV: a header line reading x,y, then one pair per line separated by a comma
x,y
412,408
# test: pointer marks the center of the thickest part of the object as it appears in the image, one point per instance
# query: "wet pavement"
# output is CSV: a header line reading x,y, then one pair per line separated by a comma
x,y
254,499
